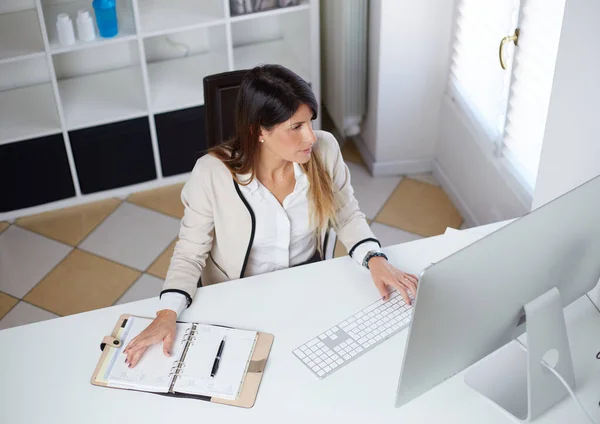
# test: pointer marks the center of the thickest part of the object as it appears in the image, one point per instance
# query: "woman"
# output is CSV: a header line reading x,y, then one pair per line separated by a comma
x,y
264,201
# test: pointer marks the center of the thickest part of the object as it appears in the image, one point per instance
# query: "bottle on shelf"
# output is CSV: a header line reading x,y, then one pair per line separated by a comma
x,y
64,27
106,17
85,25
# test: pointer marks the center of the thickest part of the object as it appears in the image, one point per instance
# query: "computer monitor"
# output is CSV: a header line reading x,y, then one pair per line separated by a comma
x,y
475,302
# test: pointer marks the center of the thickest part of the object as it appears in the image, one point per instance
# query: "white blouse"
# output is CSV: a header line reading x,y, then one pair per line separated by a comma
x,y
284,236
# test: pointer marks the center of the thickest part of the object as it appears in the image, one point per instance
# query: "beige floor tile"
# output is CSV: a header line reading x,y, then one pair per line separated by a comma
x,y
166,200
160,266
3,226
6,304
82,282
351,154
420,208
70,225
426,178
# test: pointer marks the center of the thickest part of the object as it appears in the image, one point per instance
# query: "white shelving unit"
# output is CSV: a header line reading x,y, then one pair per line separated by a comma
x,y
155,64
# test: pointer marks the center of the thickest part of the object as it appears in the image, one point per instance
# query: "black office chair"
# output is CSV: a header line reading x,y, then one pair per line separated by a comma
x,y
220,96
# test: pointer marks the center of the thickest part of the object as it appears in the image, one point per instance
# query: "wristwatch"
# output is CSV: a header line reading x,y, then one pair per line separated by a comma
x,y
372,254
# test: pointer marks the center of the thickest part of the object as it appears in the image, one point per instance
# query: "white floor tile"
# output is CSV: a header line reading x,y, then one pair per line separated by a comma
x,y
24,313
370,192
133,236
389,236
146,286
25,258
426,178
595,295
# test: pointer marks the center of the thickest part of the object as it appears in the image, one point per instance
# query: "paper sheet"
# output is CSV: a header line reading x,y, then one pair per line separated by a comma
x,y
152,371
237,351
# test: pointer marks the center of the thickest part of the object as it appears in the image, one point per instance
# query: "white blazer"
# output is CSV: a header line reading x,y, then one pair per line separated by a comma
x,y
218,226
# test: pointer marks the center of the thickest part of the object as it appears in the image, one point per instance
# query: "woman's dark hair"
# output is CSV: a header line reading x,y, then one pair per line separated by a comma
x,y
269,95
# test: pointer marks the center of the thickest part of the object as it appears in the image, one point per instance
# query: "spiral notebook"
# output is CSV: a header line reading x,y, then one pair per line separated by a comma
x,y
188,371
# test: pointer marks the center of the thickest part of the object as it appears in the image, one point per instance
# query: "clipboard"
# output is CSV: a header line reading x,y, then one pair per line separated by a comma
x,y
250,385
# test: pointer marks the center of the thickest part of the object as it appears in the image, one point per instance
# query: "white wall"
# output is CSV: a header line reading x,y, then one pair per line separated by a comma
x,y
407,75
471,175
480,184
571,149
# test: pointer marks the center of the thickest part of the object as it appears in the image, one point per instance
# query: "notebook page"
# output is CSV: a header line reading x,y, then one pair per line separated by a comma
x,y
237,351
152,371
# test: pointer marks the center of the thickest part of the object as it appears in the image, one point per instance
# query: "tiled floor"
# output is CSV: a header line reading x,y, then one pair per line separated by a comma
x,y
117,251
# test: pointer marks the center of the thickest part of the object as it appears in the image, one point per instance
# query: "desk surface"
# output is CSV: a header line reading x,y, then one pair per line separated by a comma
x,y
45,367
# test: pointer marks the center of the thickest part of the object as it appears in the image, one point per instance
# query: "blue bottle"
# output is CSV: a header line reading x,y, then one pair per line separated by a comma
x,y
106,17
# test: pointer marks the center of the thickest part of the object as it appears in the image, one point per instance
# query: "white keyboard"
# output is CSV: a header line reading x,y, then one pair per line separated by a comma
x,y
354,336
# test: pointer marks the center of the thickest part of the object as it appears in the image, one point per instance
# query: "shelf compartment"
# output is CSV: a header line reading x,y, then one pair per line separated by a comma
x,y
177,84
28,112
125,17
181,139
271,52
28,106
39,168
20,35
270,12
101,98
178,63
101,85
158,17
275,39
114,155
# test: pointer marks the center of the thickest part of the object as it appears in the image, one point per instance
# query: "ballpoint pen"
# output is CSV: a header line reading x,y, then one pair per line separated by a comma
x,y
215,366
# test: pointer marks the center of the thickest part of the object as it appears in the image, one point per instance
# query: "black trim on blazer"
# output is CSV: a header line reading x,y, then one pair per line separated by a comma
x,y
252,217
186,294
325,241
361,242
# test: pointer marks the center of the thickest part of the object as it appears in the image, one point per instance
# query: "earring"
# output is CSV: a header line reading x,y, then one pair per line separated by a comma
x,y
262,140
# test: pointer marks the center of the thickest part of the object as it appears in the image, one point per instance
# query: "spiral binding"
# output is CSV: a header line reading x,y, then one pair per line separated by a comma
x,y
189,336
177,368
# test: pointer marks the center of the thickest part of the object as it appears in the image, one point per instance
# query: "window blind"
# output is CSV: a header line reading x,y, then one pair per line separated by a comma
x,y
531,86
475,73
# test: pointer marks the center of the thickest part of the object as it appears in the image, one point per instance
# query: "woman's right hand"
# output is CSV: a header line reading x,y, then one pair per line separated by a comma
x,y
162,329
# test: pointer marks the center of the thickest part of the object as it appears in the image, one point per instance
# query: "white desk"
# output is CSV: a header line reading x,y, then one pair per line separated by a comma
x,y
45,368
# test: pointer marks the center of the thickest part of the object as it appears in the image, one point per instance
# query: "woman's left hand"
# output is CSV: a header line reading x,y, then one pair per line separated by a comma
x,y
386,277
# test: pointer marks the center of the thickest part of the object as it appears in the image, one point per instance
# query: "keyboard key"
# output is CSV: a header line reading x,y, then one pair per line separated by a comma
x,y
335,329
333,337
334,365
320,373
323,336
300,354
312,342
346,356
350,327
344,323
329,333
339,361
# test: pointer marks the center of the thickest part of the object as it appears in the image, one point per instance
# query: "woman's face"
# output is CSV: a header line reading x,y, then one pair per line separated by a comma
x,y
291,140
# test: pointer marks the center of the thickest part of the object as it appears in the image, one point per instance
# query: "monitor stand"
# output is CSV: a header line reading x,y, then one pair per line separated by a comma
x,y
514,378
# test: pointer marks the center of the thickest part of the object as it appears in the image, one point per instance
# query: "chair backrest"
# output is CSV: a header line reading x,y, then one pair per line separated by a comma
x,y
220,95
